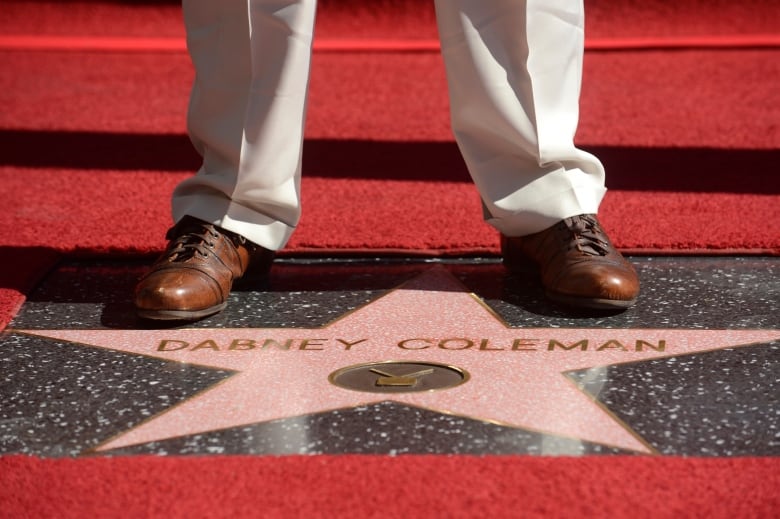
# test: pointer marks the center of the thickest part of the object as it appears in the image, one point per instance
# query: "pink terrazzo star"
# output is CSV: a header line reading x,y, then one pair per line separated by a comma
x,y
517,374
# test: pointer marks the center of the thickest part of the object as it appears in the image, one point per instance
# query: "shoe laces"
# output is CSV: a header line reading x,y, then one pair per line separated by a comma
x,y
584,234
190,238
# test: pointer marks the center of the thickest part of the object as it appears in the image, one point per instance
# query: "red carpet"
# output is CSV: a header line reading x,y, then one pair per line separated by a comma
x,y
93,140
380,486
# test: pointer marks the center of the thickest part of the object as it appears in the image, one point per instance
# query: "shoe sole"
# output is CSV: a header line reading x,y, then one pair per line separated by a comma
x,y
179,315
591,302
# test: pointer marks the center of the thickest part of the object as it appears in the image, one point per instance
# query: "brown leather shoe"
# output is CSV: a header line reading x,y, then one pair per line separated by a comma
x,y
193,277
578,264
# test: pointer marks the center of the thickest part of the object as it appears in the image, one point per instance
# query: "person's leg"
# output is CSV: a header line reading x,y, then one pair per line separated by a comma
x,y
247,112
514,69
246,118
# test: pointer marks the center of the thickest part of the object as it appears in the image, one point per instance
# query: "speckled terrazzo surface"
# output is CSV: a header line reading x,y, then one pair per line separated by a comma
x,y
692,369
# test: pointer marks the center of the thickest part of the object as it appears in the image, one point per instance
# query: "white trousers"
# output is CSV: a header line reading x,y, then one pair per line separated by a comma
x,y
513,71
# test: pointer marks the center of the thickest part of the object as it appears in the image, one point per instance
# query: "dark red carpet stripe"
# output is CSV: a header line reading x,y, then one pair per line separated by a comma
x,y
381,486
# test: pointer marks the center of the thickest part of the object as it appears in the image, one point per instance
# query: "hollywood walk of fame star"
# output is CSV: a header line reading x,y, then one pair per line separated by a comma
x,y
516,375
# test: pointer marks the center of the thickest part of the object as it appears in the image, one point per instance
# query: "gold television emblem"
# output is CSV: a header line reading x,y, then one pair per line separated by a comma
x,y
398,377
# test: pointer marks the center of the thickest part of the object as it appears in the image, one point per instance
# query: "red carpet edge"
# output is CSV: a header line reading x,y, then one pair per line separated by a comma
x,y
148,44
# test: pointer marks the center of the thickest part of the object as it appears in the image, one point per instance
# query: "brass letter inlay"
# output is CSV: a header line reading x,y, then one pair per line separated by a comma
x,y
612,344
583,345
350,344
172,345
661,346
